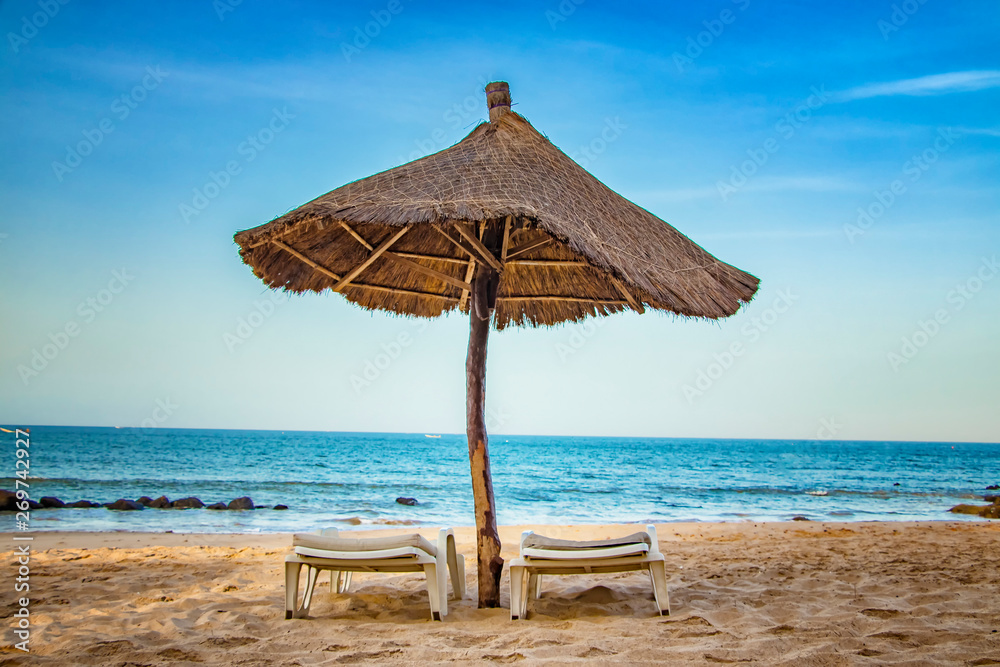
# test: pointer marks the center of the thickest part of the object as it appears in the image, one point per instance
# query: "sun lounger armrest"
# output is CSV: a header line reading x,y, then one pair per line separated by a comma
x,y
443,536
402,553
620,551
654,547
524,536
328,532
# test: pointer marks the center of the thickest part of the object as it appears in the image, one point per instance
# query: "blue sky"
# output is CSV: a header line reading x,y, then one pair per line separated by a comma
x,y
848,154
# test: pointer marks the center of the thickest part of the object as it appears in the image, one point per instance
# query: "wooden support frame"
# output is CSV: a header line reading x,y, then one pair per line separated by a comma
x,y
554,263
636,306
470,270
404,259
443,277
376,253
506,239
479,248
295,253
399,290
570,299
527,246
457,244
431,258
360,239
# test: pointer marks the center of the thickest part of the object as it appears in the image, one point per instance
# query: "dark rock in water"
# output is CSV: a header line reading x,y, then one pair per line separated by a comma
x,y
281,507
83,504
123,504
216,506
993,487
968,509
243,503
8,501
406,501
896,484
145,501
991,512
989,499
800,518
160,503
50,501
187,503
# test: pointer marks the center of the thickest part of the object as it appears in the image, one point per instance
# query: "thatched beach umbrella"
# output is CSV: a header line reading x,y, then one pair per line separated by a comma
x,y
506,227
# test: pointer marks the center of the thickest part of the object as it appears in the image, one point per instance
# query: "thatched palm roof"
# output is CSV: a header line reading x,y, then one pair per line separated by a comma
x,y
572,247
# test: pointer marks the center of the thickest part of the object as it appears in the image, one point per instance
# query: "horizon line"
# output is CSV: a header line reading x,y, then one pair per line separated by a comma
x,y
529,435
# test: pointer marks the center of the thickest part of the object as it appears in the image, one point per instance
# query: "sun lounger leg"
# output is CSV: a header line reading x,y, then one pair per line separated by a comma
x,y
658,575
334,581
456,567
291,588
442,578
536,590
518,591
525,594
434,590
347,582
312,574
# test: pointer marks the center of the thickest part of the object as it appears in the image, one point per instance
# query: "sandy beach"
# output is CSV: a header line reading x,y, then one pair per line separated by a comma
x,y
799,593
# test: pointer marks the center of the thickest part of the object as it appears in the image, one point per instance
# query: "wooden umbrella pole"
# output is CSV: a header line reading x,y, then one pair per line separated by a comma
x,y
490,564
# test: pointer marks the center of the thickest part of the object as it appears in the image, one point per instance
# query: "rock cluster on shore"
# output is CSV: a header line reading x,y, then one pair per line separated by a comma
x,y
991,511
8,503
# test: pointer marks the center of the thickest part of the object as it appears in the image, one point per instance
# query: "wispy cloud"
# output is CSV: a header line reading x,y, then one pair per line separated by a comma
x,y
293,81
981,131
762,184
771,234
934,84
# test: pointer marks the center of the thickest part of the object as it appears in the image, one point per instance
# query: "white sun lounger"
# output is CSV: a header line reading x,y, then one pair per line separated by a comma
x,y
326,550
544,555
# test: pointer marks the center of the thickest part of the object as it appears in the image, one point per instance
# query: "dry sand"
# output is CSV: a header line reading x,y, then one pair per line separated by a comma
x,y
789,594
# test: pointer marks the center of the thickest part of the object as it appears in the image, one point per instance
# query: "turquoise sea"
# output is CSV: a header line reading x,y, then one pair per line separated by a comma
x,y
353,479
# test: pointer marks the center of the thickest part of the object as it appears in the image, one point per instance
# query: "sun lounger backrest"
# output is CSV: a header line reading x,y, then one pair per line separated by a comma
x,y
313,541
533,541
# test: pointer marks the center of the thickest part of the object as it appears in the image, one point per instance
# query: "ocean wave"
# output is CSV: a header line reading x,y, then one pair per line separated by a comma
x,y
401,486
879,493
